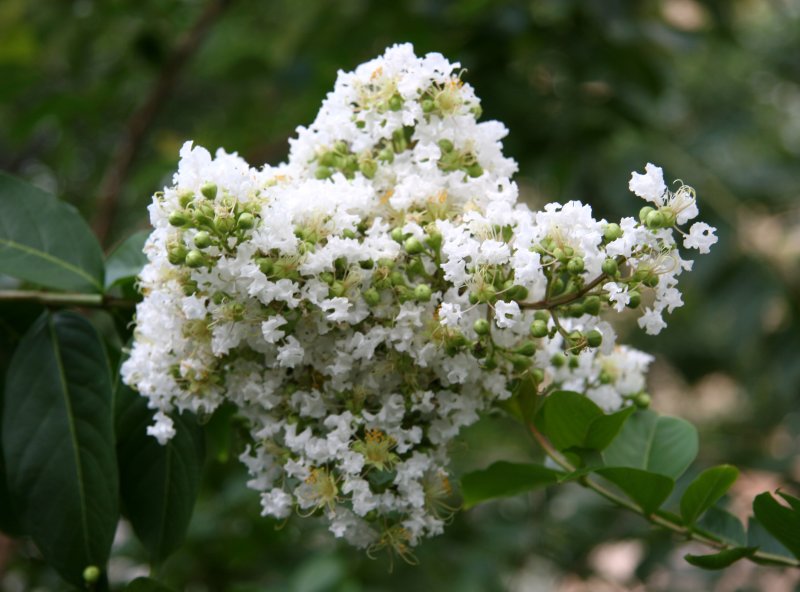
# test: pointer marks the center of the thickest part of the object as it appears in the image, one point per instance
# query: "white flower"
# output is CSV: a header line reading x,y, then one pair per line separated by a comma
x,y
163,429
618,294
650,186
701,237
506,314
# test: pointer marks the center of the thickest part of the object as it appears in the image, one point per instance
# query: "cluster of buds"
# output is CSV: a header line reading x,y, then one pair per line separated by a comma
x,y
363,302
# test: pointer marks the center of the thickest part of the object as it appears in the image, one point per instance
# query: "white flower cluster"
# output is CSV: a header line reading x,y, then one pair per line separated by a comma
x,y
365,301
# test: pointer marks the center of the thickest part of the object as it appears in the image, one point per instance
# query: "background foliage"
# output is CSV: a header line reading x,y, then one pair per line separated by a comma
x,y
590,91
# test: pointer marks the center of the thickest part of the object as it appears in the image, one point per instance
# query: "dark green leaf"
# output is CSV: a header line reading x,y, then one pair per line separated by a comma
x,y
127,260
146,585
504,479
603,429
158,484
720,560
783,523
9,523
45,241
758,536
648,490
659,444
58,438
705,490
566,417
724,525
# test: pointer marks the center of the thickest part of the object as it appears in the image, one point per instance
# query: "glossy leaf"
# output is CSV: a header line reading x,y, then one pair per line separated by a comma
x,y
566,417
503,479
127,260
604,428
783,523
58,439
659,444
158,484
720,560
759,536
705,490
46,241
648,490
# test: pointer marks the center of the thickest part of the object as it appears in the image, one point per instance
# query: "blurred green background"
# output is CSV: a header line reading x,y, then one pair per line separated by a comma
x,y
590,91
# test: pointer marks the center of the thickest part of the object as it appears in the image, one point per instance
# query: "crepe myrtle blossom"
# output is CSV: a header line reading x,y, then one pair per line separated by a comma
x,y
363,302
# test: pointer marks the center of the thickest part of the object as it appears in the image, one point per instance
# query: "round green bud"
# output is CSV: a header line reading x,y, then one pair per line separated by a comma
x,y
605,377
386,263
539,328
178,218
386,155
348,233
575,265
479,350
655,220
569,251
413,246
372,297
176,254
573,362
669,217
327,277
194,259
340,146
575,310
487,293
202,240
541,315
575,336
189,287
327,159
396,102
415,267
635,299
366,264
527,349
591,305
594,338
337,289
559,254
612,232
518,292
651,280
428,105
537,374
224,224
521,362
209,190
610,267
642,400
557,286
473,298
434,240
397,234
445,145
481,327
91,574
490,363
397,278
218,298
186,198
323,172
644,212
422,293
475,170
368,168
246,221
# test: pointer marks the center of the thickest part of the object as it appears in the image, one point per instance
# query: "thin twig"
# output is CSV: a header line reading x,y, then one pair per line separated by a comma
x,y
566,299
664,522
142,118
61,299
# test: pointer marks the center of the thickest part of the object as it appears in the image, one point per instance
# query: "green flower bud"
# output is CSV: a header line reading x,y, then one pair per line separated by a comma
x,y
178,218
327,277
399,142
519,292
473,298
340,146
527,349
202,239
422,293
397,234
557,286
347,233
539,328
642,400
224,224
366,264
186,198
575,310
490,364
386,155
207,210
479,350
573,362
176,254
559,254
218,298
481,327
327,159
323,172
337,289
189,287
386,263
372,297
91,574
669,217
246,221
434,240
655,220
635,299
368,168
644,212
612,232
591,305
475,170
413,246
537,374
209,190
397,278
651,280
194,259
396,102
521,362
541,315
487,293
428,105
610,267
575,265
265,265
558,360
445,145
594,338
605,377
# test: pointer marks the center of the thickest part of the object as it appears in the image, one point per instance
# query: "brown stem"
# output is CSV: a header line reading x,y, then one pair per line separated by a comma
x,y
62,299
142,118
566,299
660,521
